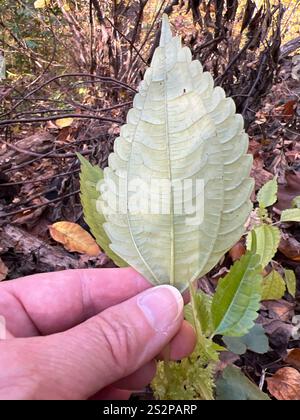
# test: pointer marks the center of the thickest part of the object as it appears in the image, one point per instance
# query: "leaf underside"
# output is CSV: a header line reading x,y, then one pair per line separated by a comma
x,y
180,127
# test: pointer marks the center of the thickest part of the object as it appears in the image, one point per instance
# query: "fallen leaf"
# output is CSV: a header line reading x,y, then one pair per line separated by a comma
x,y
260,175
3,270
280,309
296,327
289,109
285,384
237,251
290,247
288,191
293,358
74,238
279,333
64,122
29,217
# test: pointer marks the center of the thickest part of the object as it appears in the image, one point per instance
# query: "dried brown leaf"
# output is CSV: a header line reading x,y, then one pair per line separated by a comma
x,y
237,251
285,384
293,358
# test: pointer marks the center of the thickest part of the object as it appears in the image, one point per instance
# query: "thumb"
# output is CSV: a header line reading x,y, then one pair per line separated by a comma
x,y
113,344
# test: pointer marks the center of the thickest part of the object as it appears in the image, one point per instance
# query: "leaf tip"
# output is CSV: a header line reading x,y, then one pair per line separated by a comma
x,y
166,33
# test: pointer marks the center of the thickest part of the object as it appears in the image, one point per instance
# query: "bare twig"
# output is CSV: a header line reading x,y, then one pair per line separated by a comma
x,y
58,117
37,206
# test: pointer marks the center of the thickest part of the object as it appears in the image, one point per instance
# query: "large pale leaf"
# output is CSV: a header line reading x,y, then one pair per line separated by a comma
x,y
237,298
268,238
180,128
90,176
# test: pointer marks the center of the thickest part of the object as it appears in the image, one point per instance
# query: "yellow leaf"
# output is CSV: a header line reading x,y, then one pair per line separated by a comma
x,y
66,6
74,238
64,122
41,4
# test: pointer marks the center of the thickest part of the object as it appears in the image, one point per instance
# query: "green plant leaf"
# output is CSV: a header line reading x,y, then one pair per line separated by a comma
x,y
90,176
237,298
268,238
256,341
191,379
234,385
290,280
164,141
273,286
200,305
296,202
267,195
290,215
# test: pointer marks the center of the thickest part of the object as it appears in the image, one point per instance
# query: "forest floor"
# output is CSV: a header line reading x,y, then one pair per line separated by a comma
x,y
39,185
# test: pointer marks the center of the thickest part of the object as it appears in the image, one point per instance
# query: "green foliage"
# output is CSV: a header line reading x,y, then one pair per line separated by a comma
x,y
237,298
268,238
296,202
273,286
201,307
90,176
190,379
256,340
234,385
267,195
290,215
290,280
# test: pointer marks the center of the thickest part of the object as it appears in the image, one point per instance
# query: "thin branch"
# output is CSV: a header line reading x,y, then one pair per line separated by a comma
x,y
100,78
58,117
48,154
36,181
37,206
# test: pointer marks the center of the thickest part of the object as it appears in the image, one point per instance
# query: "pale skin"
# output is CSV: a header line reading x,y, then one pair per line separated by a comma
x,y
82,334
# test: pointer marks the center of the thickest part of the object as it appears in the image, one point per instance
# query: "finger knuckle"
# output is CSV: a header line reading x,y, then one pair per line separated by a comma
x,y
120,342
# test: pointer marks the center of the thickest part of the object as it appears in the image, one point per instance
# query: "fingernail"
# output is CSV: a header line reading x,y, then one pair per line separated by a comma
x,y
162,306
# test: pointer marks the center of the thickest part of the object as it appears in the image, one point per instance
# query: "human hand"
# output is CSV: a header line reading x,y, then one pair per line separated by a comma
x,y
79,334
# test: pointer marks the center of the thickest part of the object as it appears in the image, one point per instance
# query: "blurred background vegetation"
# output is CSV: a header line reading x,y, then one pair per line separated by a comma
x,y
235,40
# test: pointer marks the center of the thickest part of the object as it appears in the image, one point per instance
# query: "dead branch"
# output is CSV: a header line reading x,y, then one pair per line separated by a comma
x,y
52,258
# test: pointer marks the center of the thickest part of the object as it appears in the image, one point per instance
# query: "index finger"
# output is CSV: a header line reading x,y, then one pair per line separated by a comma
x,y
52,302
